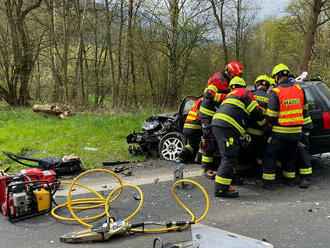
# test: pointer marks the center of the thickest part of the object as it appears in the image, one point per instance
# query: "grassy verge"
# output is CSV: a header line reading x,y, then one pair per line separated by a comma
x,y
23,131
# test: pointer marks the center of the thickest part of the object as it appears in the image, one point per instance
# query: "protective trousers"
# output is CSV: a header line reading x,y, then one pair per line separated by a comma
x,y
303,160
207,155
279,149
189,152
228,143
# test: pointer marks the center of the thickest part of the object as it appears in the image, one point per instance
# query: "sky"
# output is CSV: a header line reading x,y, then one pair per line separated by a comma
x,y
272,8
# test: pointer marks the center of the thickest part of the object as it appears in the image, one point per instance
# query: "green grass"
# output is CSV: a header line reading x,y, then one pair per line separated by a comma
x,y
23,131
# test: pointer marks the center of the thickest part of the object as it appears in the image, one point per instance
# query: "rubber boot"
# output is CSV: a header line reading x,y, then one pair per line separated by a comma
x,y
269,184
305,182
198,159
289,181
185,155
228,192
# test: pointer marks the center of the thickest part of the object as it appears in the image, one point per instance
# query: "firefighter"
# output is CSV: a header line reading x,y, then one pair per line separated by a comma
x,y
256,147
192,130
286,111
228,125
214,94
272,84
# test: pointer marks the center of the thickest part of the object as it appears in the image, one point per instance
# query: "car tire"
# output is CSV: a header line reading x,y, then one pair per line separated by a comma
x,y
171,145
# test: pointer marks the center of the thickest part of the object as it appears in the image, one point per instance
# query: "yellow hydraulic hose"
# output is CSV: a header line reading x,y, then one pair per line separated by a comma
x,y
105,202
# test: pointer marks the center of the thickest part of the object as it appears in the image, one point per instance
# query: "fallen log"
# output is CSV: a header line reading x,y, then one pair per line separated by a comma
x,y
62,111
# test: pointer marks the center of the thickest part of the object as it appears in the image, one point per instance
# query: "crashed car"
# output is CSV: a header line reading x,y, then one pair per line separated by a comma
x,y
161,134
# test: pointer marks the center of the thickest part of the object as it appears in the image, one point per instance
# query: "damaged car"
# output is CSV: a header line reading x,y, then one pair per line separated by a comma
x,y
162,133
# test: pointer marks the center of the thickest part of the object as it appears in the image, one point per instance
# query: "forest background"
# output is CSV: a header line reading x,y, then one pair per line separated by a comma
x,y
137,54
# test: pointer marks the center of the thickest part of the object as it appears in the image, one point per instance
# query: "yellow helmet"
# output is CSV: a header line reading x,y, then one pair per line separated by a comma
x,y
237,81
281,68
262,78
272,82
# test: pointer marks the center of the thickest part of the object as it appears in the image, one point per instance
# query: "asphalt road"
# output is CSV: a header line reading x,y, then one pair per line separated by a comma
x,y
285,217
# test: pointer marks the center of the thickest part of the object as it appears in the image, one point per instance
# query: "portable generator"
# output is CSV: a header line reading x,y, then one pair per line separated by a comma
x,y
28,193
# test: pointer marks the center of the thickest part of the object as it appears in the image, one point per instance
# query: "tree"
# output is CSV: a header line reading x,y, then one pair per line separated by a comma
x,y
19,52
317,6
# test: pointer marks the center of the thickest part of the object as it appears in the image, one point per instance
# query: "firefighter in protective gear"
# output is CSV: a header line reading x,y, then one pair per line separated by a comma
x,y
214,94
192,130
229,128
272,84
256,147
287,110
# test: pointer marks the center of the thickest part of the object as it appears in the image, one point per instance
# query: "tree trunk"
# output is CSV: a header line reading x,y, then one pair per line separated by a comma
x,y
22,50
219,20
306,52
173,62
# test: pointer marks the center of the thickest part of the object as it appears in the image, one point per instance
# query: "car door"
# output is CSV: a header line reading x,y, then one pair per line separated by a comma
x,y
319,109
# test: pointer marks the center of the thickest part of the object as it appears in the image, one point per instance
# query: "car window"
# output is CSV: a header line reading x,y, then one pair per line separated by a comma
x,y
324,89
312,104
188,106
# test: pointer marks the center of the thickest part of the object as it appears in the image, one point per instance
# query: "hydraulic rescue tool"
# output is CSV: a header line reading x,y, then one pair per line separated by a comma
x,y
28,193
111,228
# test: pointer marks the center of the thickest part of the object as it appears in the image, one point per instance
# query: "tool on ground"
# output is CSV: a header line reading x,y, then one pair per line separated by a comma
x,y
61,165
111,228
28,193
178,175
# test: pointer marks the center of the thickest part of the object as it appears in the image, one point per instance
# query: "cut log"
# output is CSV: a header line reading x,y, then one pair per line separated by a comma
x,y
53,109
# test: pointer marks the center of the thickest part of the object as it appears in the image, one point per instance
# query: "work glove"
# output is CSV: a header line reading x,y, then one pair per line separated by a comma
x,y
205,144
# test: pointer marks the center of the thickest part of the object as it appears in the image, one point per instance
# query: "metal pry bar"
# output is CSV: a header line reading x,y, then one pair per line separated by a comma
x,y
97,233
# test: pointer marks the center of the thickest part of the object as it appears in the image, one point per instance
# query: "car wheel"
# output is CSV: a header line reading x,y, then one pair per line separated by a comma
x,y
171,145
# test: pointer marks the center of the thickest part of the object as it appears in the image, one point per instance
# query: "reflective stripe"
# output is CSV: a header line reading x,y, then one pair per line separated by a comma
x,y
289,174
293,119
206,111
255,131
192,112
252,106
207,159
217,97
279,129
189,147
230,121
212,88
192,126
191,118
307,120
290,112
261,123
261,98
222,180
266,176
272,113
235,102
263,110
306,106
305,171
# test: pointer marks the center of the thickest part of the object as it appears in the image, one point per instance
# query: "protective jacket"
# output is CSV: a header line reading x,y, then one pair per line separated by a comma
x,y
237,109
287,111
262,98
193,121
213,96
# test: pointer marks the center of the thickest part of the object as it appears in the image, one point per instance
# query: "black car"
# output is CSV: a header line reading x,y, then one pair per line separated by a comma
x,y
161,134
318,97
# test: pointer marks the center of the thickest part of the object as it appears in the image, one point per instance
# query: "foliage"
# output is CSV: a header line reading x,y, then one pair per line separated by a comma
x,y
23,131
